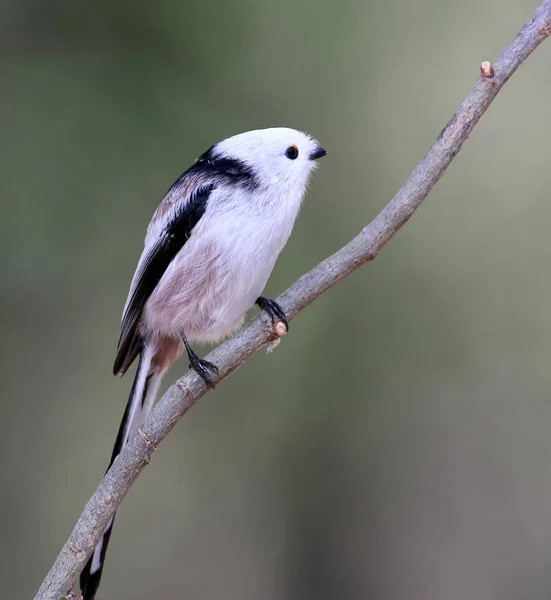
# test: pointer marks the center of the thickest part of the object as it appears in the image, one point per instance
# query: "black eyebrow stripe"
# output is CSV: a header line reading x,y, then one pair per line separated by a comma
x,y
232,168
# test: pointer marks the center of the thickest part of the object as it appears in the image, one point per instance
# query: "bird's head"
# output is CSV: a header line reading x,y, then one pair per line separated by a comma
x,y
277,157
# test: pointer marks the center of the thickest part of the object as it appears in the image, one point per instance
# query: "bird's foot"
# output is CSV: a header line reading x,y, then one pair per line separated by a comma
x,y
203,368
273,309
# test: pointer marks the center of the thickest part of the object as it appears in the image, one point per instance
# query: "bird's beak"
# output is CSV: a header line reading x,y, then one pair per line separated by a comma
x,y
317,153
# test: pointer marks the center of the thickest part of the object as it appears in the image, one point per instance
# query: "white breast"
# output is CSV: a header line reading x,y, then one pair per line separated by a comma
x,y
223,268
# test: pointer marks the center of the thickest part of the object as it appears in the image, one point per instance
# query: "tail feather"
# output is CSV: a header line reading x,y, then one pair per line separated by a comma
x,y
142,397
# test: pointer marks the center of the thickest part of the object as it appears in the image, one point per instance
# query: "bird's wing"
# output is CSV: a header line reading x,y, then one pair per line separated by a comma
x,y
172,225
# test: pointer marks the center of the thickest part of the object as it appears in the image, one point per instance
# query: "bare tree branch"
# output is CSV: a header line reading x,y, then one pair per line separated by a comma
x,y
185,392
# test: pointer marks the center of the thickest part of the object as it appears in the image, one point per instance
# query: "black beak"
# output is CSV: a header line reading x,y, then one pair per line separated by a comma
x,y
317,153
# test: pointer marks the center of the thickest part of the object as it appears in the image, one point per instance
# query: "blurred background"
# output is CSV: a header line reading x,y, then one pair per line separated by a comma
x,y
398,442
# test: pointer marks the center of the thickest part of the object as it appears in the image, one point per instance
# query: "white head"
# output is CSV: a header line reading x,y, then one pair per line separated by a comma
x,y
277,156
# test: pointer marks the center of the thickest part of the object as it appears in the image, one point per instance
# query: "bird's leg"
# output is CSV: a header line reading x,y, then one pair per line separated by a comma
x,y
273,309
201,366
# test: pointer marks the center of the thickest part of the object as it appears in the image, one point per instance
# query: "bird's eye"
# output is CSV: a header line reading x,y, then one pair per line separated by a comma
x,y
291,152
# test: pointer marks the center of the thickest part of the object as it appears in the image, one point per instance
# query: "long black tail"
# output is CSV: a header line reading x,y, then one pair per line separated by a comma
x,y
141,400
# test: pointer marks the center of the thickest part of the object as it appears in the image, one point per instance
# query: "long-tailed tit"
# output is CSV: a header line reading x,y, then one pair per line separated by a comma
x,y
209,250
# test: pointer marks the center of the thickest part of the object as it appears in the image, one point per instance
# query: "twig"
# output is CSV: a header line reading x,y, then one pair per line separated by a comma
x,y
185,392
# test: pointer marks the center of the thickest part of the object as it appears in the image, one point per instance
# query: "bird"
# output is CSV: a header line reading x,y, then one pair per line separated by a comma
x,y
209,250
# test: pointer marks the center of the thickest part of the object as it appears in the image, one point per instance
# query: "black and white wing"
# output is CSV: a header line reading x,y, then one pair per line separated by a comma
x,y
157,255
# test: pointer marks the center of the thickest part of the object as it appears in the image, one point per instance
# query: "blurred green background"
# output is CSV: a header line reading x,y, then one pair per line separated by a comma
x,y
397,444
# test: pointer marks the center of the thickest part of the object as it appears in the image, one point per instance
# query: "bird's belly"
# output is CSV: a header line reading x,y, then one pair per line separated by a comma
x,y
208,288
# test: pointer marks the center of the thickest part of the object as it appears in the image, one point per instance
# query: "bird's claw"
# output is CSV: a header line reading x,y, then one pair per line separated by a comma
x,y
273,309
203,368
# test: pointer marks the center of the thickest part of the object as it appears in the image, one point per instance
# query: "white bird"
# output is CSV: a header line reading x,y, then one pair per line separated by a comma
x,y
209,250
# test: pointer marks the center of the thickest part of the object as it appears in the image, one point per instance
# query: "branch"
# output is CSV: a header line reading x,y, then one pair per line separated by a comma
x,y
185,392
